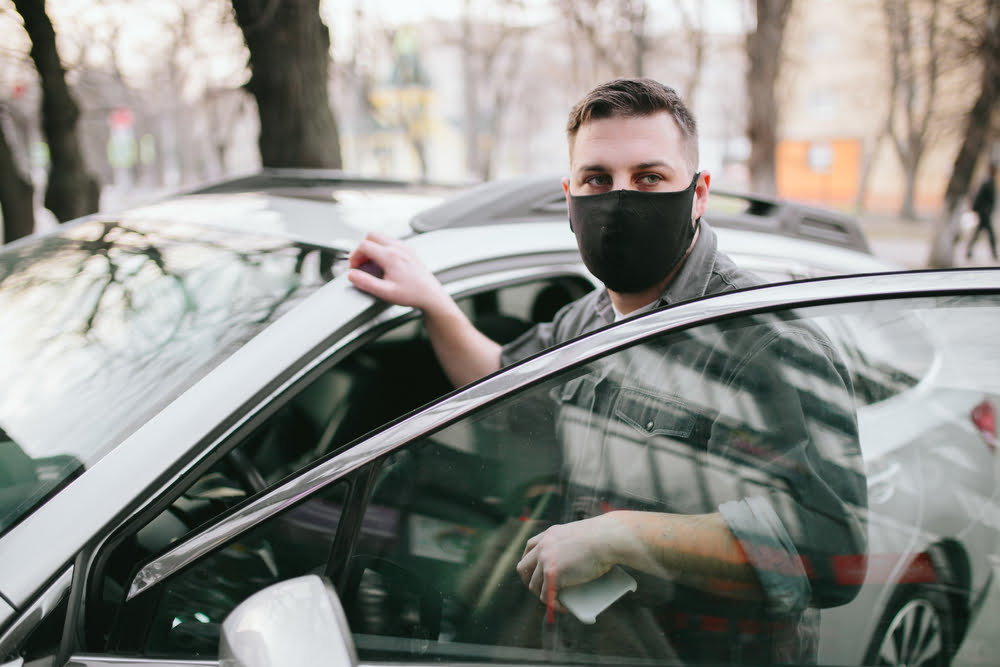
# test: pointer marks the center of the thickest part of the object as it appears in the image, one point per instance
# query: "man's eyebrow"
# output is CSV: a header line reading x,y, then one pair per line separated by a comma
x,y
641,165
655,163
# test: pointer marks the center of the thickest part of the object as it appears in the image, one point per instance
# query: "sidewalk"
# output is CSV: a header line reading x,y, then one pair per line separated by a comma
x,y
908,242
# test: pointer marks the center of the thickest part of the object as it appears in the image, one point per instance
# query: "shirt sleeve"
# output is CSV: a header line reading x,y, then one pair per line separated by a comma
x,y
803,532
571,320
534,340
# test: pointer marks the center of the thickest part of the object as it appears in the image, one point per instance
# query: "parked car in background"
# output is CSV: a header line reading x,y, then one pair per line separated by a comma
x,y
194,405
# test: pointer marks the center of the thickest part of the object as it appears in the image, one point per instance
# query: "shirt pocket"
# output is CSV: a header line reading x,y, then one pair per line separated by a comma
x,y
655,414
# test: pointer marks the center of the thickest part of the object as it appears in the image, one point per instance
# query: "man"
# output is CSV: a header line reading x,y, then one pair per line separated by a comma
x,y
625,137
983,205
635,201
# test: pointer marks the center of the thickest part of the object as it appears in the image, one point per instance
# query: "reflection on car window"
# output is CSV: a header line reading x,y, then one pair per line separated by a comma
x,y
105,324
881,509
751,419
892,350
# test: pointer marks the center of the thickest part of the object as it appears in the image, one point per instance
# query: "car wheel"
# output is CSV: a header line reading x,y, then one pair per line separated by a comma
x,y
916,630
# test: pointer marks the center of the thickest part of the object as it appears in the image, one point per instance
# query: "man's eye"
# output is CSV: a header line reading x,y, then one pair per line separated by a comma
x,y
650,179
599,180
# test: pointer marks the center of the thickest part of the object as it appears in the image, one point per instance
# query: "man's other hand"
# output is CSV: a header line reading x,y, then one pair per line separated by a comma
x,y
567,555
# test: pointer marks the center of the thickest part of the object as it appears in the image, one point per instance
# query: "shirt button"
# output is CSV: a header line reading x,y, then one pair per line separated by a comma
x,y
649,426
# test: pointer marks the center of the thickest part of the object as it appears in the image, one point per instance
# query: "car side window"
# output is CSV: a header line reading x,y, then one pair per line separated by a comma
x,y
752,418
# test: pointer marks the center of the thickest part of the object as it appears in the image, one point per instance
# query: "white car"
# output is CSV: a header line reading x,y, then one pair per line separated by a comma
x,y
194,405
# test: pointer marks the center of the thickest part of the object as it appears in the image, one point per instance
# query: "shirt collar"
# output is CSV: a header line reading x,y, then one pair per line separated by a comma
x,y
690,282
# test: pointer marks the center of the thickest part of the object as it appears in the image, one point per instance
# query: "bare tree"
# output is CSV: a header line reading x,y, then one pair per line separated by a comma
x,y
695,45
976,133
290,62
405,102
915,64
492,52
71,191
614,34
765,53
16,192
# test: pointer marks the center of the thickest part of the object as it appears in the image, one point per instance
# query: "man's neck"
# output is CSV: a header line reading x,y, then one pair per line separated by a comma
x,y
629,303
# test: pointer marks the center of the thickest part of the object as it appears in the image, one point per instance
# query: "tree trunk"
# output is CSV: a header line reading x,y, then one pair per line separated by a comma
x,y
470,96
16,195
864,179
289,62
764,52
977,129
637,15
911,167
72,191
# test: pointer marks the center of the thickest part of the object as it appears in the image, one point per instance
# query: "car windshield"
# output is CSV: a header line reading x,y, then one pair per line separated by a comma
x,y
107,322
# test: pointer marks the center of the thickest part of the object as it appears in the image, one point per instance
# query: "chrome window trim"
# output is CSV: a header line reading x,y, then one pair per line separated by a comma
x,y
33,614
494,387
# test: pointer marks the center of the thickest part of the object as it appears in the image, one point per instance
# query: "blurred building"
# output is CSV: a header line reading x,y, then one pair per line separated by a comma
x,y
835,103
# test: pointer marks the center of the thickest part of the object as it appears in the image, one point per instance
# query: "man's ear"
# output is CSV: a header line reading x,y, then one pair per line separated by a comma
x,y
701,195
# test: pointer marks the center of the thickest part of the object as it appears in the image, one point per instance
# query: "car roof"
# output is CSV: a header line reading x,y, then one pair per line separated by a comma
x,y
319,208
296,204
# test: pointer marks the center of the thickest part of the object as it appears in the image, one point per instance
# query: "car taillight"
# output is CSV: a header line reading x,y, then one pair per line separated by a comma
x,y
984,416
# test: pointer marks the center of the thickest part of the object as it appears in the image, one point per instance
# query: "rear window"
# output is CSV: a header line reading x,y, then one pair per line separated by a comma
x,y
106,323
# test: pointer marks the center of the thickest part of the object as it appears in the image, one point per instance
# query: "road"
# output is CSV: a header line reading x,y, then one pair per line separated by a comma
x,y
908,243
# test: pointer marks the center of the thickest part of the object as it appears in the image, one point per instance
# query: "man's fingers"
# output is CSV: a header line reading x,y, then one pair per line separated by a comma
x,y
366,282
531,544
370,250
526,567
537,582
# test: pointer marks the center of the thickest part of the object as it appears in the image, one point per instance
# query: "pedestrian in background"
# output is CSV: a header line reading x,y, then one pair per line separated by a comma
x,y
983,205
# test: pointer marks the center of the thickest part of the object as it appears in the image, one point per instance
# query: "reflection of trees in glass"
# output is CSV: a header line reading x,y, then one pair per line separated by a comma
x,y
107,322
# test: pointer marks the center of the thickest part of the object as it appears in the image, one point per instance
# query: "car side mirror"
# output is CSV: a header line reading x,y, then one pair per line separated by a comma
x,y
294,622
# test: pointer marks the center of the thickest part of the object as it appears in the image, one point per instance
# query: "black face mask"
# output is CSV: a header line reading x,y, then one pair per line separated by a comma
x,y
631,240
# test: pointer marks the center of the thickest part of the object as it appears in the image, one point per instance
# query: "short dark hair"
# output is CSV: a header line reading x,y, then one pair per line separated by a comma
x,y
635,97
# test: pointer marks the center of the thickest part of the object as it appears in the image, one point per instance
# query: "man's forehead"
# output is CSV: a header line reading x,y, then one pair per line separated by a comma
x,y
645,139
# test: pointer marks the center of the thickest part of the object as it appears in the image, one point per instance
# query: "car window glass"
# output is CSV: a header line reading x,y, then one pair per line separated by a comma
x,y
181,617
105,323
678,425
838,505
42,643
892,350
